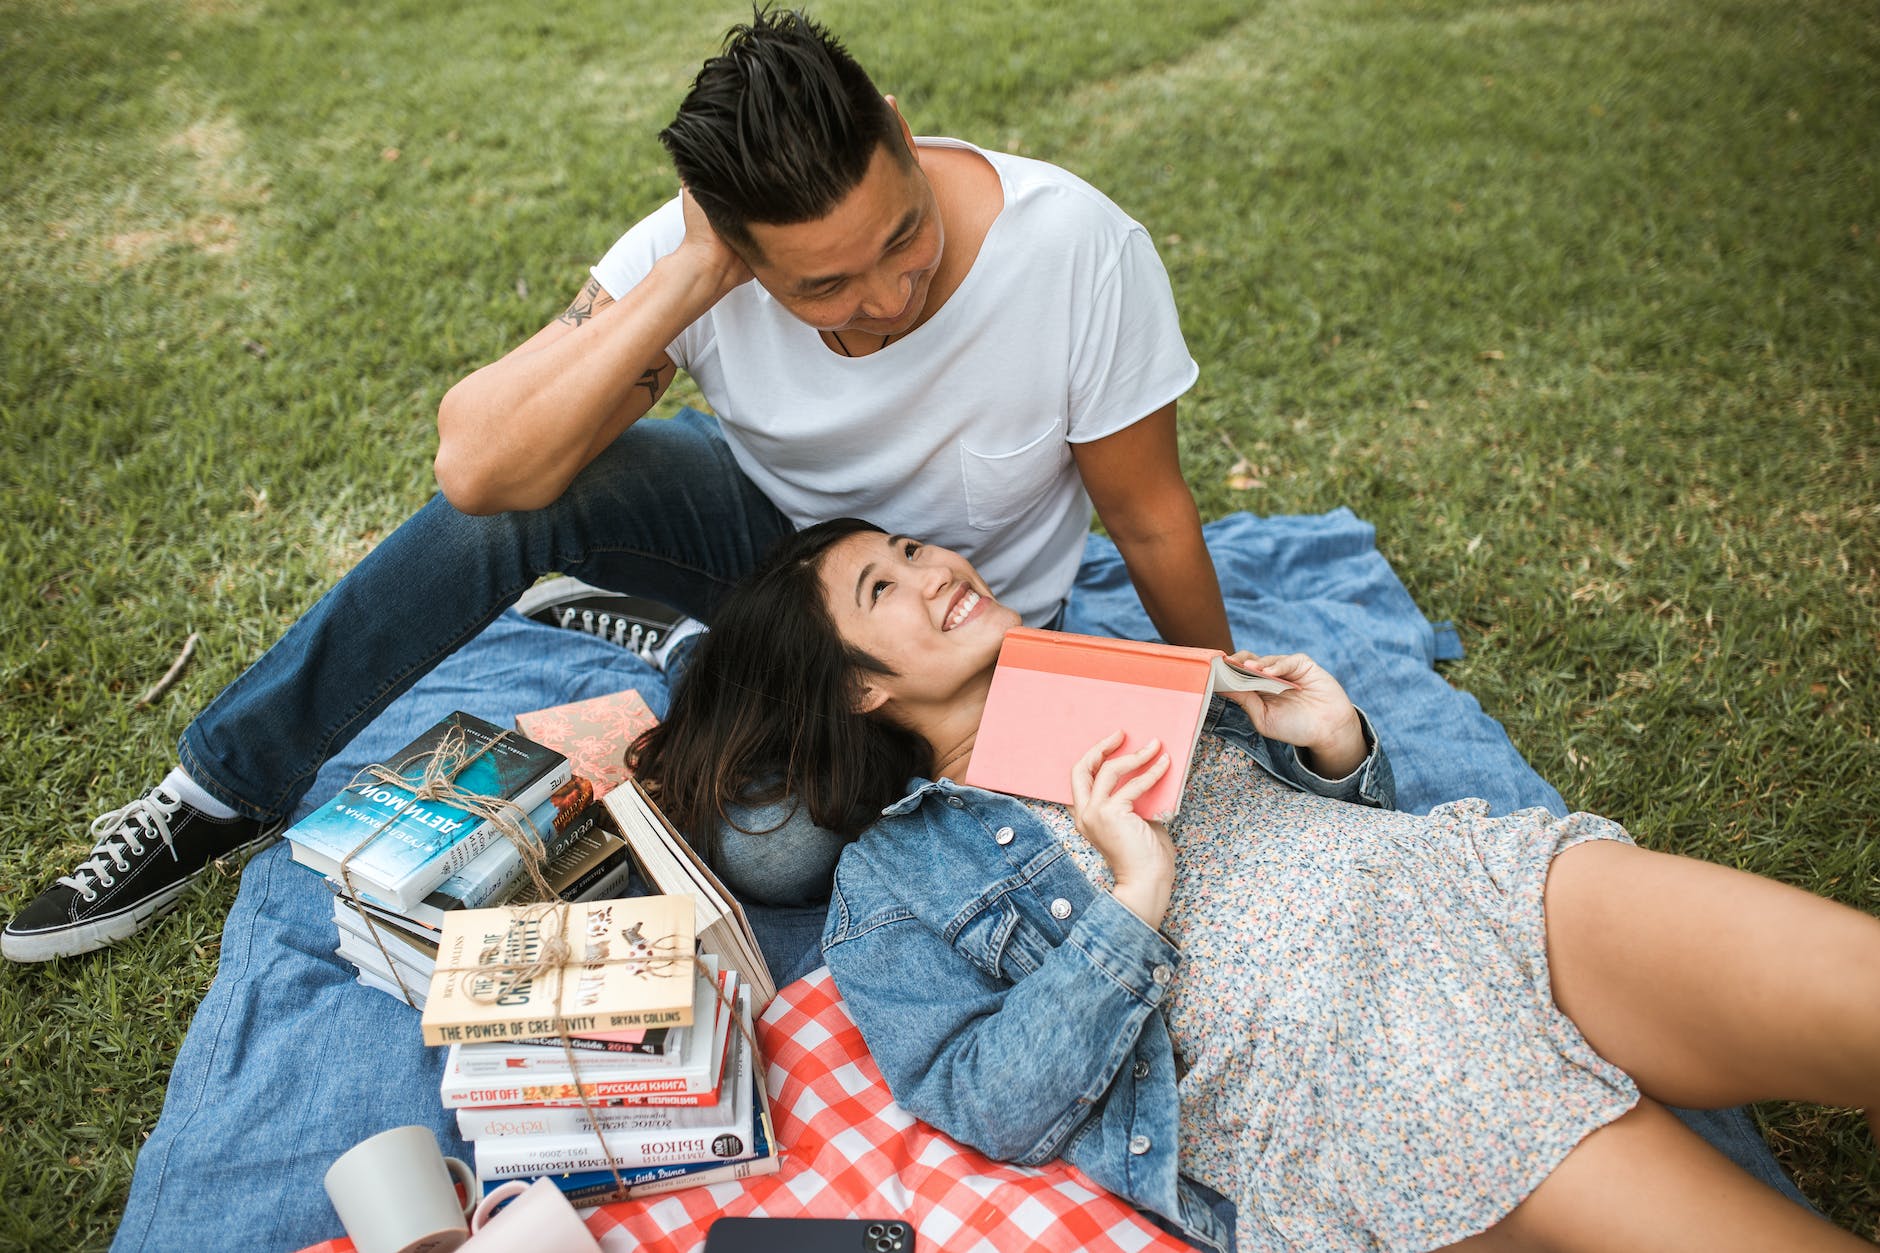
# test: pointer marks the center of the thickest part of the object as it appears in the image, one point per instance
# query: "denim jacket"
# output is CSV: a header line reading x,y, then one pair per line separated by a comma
x,y
1011,1003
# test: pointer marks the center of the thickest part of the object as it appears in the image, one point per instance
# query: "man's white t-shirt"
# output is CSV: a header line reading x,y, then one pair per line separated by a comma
x,y
960,433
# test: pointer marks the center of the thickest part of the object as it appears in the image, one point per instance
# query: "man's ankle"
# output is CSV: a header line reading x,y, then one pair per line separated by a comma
x,y
193,795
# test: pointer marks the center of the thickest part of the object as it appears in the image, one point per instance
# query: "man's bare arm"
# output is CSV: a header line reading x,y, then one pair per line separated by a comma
x,y
514,434
591,300
1134,478
655,379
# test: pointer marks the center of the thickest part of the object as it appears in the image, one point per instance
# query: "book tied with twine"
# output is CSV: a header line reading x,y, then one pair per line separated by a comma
x,y
545,970
398,830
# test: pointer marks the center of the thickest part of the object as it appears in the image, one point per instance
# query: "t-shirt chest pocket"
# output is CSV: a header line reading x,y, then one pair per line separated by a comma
x,y
1001,486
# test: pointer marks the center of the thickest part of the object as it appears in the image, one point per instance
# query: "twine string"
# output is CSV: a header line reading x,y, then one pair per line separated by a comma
x,y
437,782
554,951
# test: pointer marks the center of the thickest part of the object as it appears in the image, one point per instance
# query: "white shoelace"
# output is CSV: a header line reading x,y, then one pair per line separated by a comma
x,y
121,830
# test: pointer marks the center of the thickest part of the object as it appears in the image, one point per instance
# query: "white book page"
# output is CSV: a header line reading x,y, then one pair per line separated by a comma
x,y
1231,676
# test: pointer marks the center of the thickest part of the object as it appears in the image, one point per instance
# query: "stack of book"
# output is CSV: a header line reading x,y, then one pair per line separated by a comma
x,y
399,865
674,1094
658,1047
587,862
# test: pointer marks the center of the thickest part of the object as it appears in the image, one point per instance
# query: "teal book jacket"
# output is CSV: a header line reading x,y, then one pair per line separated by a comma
x,y
400,847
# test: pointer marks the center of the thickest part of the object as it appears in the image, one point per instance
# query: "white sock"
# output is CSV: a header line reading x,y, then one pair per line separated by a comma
x,y
685,630
193,795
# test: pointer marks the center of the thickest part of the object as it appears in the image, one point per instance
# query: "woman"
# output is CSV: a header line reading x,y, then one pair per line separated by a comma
x,y
1368,1029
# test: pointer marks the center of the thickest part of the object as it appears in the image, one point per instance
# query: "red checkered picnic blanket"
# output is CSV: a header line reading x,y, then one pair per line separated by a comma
x,y
851,1152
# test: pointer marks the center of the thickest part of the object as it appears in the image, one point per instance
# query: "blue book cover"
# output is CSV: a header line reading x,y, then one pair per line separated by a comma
x,y
402,847
493,874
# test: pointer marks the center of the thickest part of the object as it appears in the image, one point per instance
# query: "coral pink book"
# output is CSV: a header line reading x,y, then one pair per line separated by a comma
x,y
593,734
1055,694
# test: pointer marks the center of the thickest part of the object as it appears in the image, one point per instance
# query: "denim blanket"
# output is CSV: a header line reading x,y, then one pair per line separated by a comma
x,y
288,1062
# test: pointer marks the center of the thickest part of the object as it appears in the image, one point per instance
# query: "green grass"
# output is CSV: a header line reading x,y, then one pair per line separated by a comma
x,y
1578,302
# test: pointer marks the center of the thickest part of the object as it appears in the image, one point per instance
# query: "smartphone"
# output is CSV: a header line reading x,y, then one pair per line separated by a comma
x,y
810,1235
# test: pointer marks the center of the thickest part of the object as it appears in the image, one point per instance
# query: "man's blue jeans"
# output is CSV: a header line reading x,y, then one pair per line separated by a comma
x,y
664,512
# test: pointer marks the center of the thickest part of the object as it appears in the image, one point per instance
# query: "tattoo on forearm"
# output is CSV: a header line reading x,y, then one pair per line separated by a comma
x,y
654,381
585,305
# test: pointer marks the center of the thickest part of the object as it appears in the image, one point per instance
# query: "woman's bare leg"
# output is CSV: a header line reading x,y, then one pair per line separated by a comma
x,y
1647,1181
1712,987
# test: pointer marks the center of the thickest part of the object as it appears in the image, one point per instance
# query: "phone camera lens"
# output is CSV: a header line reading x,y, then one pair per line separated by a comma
x,y
875,1231
885,1245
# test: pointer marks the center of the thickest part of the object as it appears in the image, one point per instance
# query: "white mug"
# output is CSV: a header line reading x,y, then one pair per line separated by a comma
x,y
397,1193
538,1219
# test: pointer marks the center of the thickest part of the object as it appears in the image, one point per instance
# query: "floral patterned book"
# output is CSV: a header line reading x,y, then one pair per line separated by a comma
x,y
593,734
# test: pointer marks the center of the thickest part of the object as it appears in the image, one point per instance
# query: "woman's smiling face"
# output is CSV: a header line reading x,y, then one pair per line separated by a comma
x,y
921,610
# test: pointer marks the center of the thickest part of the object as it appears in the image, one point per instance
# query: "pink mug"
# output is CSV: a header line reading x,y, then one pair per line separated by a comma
x,y
537,1219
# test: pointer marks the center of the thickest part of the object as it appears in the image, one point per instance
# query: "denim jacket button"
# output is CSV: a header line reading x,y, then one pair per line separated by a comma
x,y
1060,909
1162,974
1141,1069
956,802
1003,835
1139,1145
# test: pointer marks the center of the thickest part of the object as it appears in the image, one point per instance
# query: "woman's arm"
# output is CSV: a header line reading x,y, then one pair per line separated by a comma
x,y
1104,791
1315,716
1008,1068
1317,739
1013,1069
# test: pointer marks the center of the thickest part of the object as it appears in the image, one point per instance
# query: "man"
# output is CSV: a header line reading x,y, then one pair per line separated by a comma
x,y
957,344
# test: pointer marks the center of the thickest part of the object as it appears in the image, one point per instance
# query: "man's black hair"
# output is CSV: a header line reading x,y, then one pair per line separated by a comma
x,y
778,127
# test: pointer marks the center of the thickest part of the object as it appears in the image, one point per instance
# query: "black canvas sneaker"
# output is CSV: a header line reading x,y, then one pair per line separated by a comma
x,y
146,856
635,623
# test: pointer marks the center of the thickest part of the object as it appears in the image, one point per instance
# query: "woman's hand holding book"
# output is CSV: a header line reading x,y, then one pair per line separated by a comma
x,y
1316,716
1104,789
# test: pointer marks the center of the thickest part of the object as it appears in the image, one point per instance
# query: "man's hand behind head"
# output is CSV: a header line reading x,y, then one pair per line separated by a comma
x,y
712,259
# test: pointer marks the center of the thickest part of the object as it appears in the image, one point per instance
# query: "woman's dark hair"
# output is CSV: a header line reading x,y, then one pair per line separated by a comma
x,y
778,127
767,709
